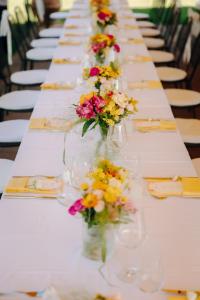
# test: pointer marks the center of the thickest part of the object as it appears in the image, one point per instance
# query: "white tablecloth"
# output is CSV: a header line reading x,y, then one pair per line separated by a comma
x,y
41,244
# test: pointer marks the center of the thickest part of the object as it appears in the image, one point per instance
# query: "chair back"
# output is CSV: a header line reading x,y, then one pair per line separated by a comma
x,y
18,41
194,60
172,28
179,45
33,20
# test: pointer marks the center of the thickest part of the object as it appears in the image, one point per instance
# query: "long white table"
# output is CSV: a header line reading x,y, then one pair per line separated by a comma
x,y
40,244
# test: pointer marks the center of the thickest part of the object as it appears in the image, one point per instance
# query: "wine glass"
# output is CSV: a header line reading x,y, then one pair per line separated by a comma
x,y
150,276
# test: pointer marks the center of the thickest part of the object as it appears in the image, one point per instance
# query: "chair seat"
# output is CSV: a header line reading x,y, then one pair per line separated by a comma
x,y
161,56
5,172
182,97
44,43
51,32
30,77
153,43
170,74
141,16
40,54
19,100
196,164
59,15
150,32
189,129
13,131
145,24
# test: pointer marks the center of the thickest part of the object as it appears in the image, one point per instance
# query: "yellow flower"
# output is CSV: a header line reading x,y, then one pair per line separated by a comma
x,y
99,185
98,174
112,194
110,122
90,200
84,186
86,97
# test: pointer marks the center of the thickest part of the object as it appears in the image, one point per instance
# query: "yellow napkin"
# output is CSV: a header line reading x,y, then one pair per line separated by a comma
x,y
77,17
69,43
129,26
74,34
148,84
51,124
57,86
132,41
155,125
34,185
138,58
127,17
191,186
177,298
182,186
66,61
71,26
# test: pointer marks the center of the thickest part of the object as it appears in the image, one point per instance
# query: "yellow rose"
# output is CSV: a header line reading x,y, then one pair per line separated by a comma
x,y
110,122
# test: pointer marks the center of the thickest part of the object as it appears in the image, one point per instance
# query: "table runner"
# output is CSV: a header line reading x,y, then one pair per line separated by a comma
x,y
40,243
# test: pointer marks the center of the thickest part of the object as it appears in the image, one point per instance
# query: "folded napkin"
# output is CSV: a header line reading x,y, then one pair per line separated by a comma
x,y
138,58
51,124
126,17
34,185
183,295
129,26
66,61
132,41
69,43
77,17
146,84
181,186
74,34
57,86
71,26
154,125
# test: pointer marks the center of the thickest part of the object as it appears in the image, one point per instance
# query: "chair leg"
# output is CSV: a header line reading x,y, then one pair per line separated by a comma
x,y
1,115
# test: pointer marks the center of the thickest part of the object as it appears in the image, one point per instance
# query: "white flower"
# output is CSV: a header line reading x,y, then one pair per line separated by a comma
x,y
100,206
120,99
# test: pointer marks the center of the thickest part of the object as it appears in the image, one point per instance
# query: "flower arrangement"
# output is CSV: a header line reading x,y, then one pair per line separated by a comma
x,y
105,109
104,198
105,17
102,76
97,4
101,43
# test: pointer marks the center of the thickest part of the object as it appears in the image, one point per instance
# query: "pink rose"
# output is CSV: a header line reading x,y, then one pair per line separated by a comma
x,y
94,71
116,48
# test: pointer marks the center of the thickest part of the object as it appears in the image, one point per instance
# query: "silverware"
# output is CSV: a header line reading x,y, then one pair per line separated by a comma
x,y
28,293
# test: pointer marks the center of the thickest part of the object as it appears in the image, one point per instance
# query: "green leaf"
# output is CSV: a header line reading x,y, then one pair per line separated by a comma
x,y
86,126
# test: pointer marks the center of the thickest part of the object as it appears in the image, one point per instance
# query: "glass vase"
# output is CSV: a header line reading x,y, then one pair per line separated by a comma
x,y
98,242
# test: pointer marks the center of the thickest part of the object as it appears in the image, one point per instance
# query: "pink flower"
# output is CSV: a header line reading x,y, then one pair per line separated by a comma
x,y
76,207
102,16
117,48
129,207
86,110
94,71
99,103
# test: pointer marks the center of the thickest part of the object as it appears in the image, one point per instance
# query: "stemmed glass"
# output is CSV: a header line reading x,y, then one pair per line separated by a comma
x,y
77,162
150,276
